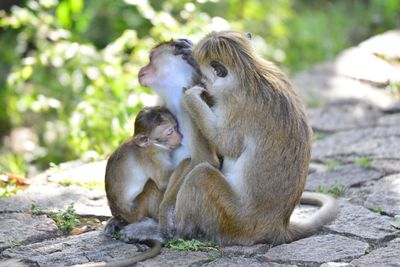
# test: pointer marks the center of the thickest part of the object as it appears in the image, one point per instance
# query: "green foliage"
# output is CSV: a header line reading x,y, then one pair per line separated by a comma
x,y
336,190
364,162
332,164
12,163
90,184
36,210
117,235
193,245
66,220
379,211
318,136
69,67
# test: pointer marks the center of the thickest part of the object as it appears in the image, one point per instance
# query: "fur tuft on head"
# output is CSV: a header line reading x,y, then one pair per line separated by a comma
x,y
234,50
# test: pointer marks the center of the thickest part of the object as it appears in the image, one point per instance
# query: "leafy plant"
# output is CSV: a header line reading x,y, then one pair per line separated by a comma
x,y
90,184
364,162
66,220
332,164
117,235
318,136
335,190
379,211
193,245
36,210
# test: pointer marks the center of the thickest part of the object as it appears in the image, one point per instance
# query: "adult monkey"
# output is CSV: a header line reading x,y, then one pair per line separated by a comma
x,y
259,125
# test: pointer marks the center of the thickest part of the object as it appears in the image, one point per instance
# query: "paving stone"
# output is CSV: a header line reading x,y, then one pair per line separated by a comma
x,y
386,44
55,197
18,228
343,115
336,264
347,175
89,247
362,65
362,223
386,166
388,256
316,250
241,261
322,84
386,195
347,146
174,258
389,120
89,172
246,251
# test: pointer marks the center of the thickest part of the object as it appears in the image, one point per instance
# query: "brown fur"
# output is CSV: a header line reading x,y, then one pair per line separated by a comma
x,y
259,123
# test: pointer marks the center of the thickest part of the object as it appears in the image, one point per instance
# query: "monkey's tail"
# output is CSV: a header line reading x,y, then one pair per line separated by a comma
x,y
155,248
327,213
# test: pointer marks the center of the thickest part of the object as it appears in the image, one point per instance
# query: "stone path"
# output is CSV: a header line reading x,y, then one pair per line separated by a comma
x,y
355,112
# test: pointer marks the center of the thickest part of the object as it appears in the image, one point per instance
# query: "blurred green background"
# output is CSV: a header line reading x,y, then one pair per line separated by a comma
x,y
68,68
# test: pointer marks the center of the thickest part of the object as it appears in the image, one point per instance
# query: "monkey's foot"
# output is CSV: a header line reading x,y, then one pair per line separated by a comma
x,y
114,225
140,231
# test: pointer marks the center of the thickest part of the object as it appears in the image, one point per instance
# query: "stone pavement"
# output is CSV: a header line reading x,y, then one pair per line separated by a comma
x,y
354,107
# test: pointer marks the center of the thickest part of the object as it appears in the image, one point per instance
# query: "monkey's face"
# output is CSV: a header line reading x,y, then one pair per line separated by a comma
x,y
217,78
167,135
165,69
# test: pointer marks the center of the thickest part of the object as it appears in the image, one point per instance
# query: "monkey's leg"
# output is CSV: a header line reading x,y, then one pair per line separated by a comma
x,y
166,206
207,207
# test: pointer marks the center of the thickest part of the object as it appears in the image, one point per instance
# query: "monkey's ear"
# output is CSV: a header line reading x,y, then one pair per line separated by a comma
x,y
141,140
249,35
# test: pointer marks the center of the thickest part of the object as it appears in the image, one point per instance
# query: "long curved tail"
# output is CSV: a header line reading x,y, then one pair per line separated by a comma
x,y
327,213
155,248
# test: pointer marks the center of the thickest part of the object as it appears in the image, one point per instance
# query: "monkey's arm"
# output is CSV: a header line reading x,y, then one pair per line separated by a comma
x,y
201,113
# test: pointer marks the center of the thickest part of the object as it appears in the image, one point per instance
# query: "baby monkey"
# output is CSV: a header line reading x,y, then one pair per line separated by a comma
x,y
137,173
142,164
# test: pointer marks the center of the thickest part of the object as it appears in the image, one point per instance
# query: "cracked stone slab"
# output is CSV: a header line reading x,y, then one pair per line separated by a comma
x,y
17,229
343,115
387,166
174,258
358,221
246,251
388,256
385,194
347,146
53,197
89,247
241,261
347,175
323,82
315,250
385,44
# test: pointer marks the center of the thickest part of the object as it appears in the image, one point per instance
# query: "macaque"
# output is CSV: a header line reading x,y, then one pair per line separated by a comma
x,y
137,175
170,72
259,126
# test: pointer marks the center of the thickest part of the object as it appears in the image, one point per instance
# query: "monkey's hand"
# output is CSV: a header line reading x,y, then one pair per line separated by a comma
x,y
195,91
182,47
201,113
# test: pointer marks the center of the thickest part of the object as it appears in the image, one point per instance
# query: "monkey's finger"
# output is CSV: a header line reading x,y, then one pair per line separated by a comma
x,y
183,42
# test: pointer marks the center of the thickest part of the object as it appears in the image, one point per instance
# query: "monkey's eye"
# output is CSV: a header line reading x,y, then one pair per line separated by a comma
x,y
170,131
219,69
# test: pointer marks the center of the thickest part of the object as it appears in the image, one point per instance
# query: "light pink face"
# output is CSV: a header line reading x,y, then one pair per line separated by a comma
x,y
158,68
